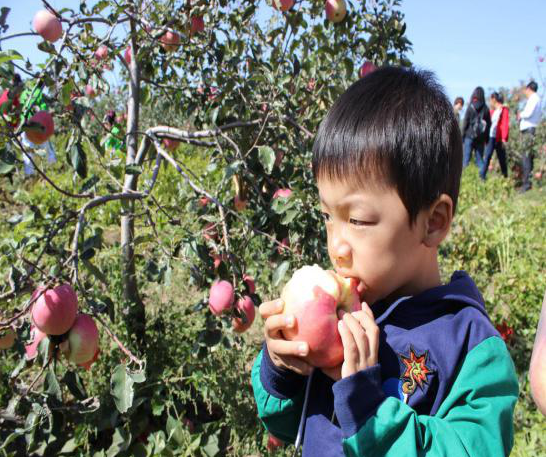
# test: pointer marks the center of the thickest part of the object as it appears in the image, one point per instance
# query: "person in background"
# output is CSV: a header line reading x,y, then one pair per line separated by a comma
x,y
113,140
476,125
498,134
528,119
457,108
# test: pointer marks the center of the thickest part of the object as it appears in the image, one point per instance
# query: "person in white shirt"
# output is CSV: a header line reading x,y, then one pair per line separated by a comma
x,y
529,119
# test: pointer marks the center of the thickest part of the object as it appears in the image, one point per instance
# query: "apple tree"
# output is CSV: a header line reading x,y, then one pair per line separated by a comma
x,y
187,125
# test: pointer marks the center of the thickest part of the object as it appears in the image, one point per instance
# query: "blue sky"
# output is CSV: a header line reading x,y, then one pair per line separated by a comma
x,y
465,42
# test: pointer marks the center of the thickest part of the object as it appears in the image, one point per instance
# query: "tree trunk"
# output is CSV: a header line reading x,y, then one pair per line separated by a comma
x,y
135,317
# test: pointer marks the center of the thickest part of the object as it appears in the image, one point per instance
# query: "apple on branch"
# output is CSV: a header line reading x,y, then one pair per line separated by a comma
x,y
54,311
39,127
335,10
283,5
221,297
170,41
47,25
245,306
314,296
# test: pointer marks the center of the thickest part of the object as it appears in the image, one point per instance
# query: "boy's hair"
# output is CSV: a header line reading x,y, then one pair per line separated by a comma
x,y
396,125
533,86
459,100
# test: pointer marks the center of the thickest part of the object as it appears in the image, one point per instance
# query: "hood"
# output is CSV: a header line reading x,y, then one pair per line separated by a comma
x,y
460,291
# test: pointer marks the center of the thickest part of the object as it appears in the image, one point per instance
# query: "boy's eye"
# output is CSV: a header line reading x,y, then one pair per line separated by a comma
x,y
357,222
326,216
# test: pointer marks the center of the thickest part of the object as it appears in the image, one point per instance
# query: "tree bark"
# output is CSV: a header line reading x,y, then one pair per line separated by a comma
x,y
135,316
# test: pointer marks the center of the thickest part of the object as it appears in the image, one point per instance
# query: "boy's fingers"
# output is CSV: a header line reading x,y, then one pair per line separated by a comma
x,y
350,350
277,322
288,348
270,308
297,365
366,308
371,329
359,334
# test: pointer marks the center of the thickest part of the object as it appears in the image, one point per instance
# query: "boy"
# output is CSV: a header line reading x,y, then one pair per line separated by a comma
x,y
424,371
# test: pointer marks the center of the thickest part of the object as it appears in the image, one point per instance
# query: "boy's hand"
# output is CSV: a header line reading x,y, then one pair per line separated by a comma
x,y
360,338
283,353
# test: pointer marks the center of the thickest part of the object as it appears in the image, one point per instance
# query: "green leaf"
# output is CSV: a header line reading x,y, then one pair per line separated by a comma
x,y
211,448
121,388
70,446
289,216
75,385
66,92
78,160
51,385
9,55
279,272
121,440
6,168
133,170
175,431
267,158
94,271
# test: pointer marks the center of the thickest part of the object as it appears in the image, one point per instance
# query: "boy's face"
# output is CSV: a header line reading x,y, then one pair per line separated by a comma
x,y
370,238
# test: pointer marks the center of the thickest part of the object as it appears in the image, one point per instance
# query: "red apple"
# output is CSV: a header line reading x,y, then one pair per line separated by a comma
x,y
170,144
47,25
537,369
36,336
55,310
282,193
197,25
538,175
83,341
246,306
221,297
42,129
314,296
250,284
203,201
127,55
335,10
366,68
283,5
273,442
170,41
101,53
90,91
7,338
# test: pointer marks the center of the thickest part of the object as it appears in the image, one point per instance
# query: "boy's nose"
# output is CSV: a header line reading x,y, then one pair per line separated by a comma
x,y
341,252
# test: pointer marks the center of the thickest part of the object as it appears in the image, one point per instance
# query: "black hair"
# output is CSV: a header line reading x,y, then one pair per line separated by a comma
x,y
533,86
459,100
478,94
498,97
398,126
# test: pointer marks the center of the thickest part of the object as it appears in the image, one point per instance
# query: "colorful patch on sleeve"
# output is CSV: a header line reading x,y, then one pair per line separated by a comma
x,y
415,372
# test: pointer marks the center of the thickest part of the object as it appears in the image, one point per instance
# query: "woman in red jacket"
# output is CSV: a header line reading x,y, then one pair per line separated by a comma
x,y
498,135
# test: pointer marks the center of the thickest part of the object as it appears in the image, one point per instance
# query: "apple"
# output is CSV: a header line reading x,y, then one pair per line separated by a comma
x,y
42,127
282,193
90,91
7,338
170,144
246,306
537,369
221,297
239,203
283,5
250,284
170,41
197,25
127,55
36,336
366,68
314,296
83,341
538,175
54,312
273,442
203,201
47,25
101,53
335,10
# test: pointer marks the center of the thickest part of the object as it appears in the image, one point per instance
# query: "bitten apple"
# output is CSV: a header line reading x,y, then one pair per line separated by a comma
x,y
314,296
537,370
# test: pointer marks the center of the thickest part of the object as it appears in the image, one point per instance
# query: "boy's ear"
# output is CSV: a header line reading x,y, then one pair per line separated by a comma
x,y
438,221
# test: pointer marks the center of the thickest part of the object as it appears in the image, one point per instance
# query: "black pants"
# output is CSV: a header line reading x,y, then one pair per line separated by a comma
x,y
528,136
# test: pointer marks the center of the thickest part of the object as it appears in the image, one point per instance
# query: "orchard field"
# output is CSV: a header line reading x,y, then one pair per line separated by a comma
x,y
208,180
